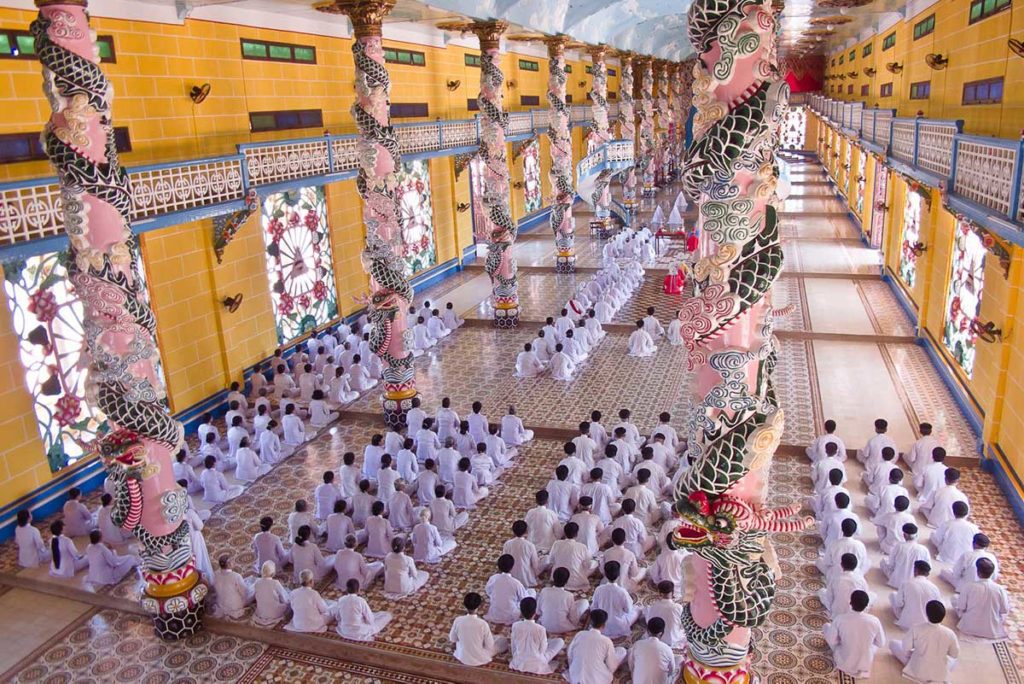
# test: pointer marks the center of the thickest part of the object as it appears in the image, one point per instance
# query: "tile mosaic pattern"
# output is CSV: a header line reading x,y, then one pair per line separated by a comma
x,y
796,386
887,316
280,665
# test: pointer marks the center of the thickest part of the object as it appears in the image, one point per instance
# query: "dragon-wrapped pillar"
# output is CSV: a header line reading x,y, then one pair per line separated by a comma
x,y
627,125
500,228
727,325
663,106
118,326
600,134
562,223
645,149
379,160
683,100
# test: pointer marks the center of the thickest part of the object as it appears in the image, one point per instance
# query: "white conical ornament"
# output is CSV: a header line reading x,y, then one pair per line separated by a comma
x,y
681,203
659,217
675,218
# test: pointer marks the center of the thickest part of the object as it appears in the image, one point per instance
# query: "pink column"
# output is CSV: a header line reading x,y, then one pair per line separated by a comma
x,y
665,120
501,237
645,150
684,82
120,331
627,124
562,223
600,135
379,159
737,422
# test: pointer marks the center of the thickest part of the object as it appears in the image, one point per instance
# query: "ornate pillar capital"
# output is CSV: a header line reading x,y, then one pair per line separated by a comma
x,y
598,52
366,16
556,45
626,58
489,32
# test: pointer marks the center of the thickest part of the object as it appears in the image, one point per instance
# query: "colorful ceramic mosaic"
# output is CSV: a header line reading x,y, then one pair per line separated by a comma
x,y
963,299
416,212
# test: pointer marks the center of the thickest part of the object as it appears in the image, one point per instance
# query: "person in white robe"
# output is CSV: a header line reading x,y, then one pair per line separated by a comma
x,y
817,450
828,563
899,565
436,327
855,637
401,512
573,348
652,325
560,610
350,564
909,601
339,390
574,556
543,525
939,508
428,481
965,568
603,310
379,532
890,525
387,480
543,347
360,379
477,422
670,566
604,496
112,533
184,471
427,543
401,576
637,539
590,526
928,651
233,593
267,546
983,605
512,429
640,343
651,660
249,466
451,319
443,515
872,451
427,442
294,429
271,449
306,555
670,611
593,658
562,366
674,332
504,592
310,613
835,596
953,538
32,552
500,452
354,618
919,456
563,494
200,553
527,562
215,486
613,598
78,521
307,382
528,363
339,526
532,650
326,494
933,477
272,599
320,414
65,558
106,566
466,491
302,516
475,645
421,338
631,573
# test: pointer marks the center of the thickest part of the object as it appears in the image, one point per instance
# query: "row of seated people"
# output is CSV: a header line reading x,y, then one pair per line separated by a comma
x,y
928,650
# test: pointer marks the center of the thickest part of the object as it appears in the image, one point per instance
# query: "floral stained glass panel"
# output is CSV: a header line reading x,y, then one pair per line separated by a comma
x,y
476,186
963,299
911,236
861,178
299,265
531,177
794,128
418,249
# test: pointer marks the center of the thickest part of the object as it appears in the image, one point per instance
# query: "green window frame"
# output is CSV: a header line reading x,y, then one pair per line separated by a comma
x,y
889,41
528,65
842,58
590,68
867,50
472,60
924,27
22,45
404,57
568,68
853,55
267,51
983,9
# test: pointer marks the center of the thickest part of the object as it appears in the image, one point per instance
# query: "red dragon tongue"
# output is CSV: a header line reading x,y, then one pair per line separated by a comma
x,y
699,500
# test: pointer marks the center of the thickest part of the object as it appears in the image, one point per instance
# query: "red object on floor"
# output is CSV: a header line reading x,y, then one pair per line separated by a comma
x,y
673,284
691,243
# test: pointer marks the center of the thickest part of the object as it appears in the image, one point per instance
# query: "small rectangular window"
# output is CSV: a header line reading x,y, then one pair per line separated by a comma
x,y
529,100
407,110
568,98
842,58
106,48
406,57
853,55
849,89
612,72
865,90
472,60
982,9
833,61
924,27
472,105
989,91
921,90
867,50
285,120
885,90
613,96
889,41
568,68
528,65
590,68
265,51
19,147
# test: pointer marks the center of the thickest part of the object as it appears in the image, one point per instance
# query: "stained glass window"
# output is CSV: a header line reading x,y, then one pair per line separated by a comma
x,y
794,128
418,249
531,177
963,300
911,236
299,264
476,187
858,201
47,318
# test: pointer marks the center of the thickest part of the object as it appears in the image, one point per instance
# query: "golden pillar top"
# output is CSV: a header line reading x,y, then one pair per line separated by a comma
x,y
489,32
367,16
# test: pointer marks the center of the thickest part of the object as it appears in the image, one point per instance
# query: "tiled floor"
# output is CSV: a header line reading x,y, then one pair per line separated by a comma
x,y
837,366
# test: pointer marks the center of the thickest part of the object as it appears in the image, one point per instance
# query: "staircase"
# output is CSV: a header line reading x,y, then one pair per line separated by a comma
x,y
606,162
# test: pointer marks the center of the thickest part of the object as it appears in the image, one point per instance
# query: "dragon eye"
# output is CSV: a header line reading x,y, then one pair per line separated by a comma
x,y
721,523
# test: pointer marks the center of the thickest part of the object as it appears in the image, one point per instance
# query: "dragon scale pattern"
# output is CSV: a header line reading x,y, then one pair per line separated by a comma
x,y
562,224
627,124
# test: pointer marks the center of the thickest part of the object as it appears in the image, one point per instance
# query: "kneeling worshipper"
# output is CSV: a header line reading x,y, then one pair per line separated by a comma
x,y
528,364
421,338
854,637
909,601
651,660
32,551
233,593
310,613
983,605
640,343
593,658
106,566
475,645
436,326
65,558
532,650
401,577
562,367
354,618
451,319
929,650
674,333
272,599
512,430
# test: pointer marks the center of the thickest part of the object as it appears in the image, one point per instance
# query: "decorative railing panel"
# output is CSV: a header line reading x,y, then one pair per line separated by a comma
x,y
345,155
418,137
519,123
286,160
867,126
984,171
459,133
30,212
167,189
903,134
935,146
883,122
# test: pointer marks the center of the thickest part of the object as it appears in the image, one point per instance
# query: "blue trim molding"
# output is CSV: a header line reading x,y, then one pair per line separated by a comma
x,y
994,462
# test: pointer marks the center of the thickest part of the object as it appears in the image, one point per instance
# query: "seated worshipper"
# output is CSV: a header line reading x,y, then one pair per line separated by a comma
x,y
215,486
597,430
406,463
387,479
674,333
908,603
593,658
964,570
828,564
319,414
528,565
32,552
272,599
651,660
428,480
899,565
421,337
652,325
448,423
647,508
854,637
267,546
542,347
302,516
184,471
359,377
821,500
501,454
669,566
326,494
354,618
953,538
835,596
106,566
670,612
271,449
640,343
436,327
890,525
983,605
112,533
560,611
574,348
224,462
207,426
65,559
543,525
632,434
939,508
593,326
637,539
350,564
604,311
590,525
572,555
348,476
451,319
307,382
876,475
504,592
612,473
920,454
529,363
482,466
883,502
339,390
603,495
427,442
248,466
379,532
872,451
233,593
564,322
401,512
563,494
371,457
562,366
293,427
427,543
532,650
630,572
577,468
474,643
78,521
929,650
829,462
306,556
310,613
340,526
512,430
934,476
401,577
816,451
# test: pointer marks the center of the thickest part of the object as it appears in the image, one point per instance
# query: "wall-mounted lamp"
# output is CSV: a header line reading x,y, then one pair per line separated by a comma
x,y
936,61
232,303
453,85
199,93
462,207
894,67
986,332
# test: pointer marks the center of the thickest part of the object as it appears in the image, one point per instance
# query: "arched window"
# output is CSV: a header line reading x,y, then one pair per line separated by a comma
x,y
299,265
531,177
963,299
911,236
418,249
